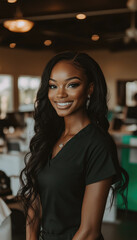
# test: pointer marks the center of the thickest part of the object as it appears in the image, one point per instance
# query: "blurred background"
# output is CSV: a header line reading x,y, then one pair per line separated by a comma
x,y
33,31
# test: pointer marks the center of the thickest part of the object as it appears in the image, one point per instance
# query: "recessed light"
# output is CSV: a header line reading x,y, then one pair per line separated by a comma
x,y
47,42
12,45
95,37
81,16
11,1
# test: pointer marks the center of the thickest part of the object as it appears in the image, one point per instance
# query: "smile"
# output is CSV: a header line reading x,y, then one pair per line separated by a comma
x,y
63,104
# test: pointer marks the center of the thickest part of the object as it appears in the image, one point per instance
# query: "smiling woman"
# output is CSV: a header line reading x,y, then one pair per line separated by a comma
x,y
73,160
68,89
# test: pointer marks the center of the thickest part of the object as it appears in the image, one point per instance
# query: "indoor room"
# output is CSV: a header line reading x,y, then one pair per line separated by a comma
x,y
107,32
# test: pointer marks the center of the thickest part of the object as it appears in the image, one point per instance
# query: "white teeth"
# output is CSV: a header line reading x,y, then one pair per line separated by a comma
x,y
64,104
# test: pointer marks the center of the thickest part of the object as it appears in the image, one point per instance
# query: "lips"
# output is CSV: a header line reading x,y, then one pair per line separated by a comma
x,y
63,105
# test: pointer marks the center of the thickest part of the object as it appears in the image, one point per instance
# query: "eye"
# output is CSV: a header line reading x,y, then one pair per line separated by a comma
x,y
74,85
52,86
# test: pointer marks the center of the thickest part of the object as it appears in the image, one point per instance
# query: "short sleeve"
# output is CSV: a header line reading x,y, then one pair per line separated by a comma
x,y
102,163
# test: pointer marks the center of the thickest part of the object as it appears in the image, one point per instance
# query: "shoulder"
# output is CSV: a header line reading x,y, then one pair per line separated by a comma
x,y
101,159
97,137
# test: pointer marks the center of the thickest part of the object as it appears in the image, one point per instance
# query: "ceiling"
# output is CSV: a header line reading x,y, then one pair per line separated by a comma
x,y
55,20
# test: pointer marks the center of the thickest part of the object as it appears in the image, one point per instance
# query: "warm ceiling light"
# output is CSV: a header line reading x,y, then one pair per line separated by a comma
x,y
20,25
81,16
12,45
11,1
48,42
95,37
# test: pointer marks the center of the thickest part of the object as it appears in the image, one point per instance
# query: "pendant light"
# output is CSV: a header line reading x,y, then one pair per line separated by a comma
x,y
18,24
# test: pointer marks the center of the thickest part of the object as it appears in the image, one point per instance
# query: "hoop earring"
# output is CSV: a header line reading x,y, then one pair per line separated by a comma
x,y
88,101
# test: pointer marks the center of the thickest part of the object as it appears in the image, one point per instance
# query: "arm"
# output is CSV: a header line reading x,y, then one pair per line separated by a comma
x,y
92,211
32,228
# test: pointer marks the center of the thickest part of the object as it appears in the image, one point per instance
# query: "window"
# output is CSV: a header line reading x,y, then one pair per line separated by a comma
x,y
6,94
131,89
28,86
125,92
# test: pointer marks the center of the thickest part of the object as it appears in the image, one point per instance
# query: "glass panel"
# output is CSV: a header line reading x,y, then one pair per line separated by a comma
x,y
6,94
28,86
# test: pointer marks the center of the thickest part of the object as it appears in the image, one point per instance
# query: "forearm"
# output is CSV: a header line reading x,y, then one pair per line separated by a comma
x,y
32,230
87,235
33,221
32,225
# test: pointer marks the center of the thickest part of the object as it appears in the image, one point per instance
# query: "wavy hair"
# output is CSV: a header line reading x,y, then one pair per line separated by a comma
x,y
49,126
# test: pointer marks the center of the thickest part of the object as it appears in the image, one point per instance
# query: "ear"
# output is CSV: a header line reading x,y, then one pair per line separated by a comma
x,y
90,88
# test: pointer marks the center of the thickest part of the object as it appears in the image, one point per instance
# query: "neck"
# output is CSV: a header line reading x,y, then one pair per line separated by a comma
x,y
75,122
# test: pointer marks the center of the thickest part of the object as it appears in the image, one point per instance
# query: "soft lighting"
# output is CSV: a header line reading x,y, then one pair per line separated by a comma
x,y
95,37
11,1
81,16
48,42
12,45
19,25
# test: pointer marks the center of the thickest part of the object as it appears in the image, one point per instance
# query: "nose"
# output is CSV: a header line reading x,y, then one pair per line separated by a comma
x,y
61,93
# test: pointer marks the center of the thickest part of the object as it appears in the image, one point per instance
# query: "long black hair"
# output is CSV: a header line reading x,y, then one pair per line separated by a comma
x,y
49,126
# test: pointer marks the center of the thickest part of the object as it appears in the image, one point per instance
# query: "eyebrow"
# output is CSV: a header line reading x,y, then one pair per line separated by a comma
x,y
68,79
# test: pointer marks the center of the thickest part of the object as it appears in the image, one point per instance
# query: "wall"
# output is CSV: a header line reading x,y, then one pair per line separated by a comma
x,y
118,65
115,65
22,62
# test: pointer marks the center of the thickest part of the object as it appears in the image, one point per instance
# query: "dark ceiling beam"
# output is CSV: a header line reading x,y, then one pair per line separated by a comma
x,y
72,15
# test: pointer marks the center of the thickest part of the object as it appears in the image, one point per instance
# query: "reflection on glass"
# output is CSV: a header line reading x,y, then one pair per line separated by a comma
x,y
6,95
28,86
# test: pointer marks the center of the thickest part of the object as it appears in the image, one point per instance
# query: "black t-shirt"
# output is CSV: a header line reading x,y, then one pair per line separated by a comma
x,y
88,157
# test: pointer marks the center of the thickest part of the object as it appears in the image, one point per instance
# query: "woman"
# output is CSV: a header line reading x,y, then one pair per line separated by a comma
x,y
73,160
